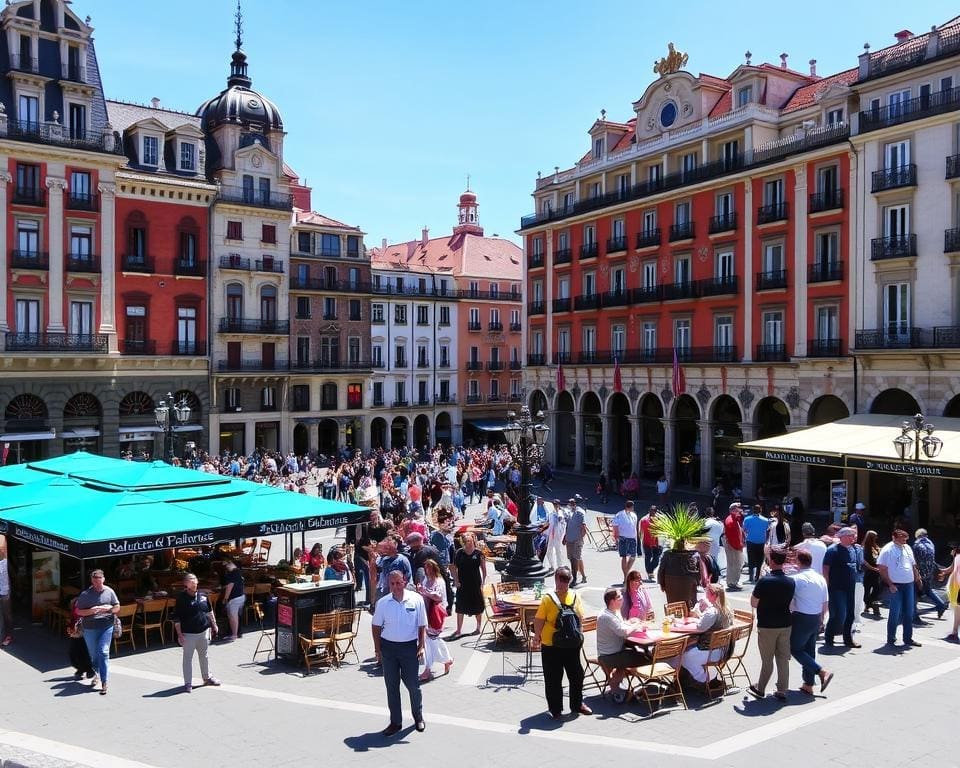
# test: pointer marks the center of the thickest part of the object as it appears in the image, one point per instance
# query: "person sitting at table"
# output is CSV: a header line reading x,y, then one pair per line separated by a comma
x,y
636,600
612,631
495,517
711,614
338,567
315,560
145,579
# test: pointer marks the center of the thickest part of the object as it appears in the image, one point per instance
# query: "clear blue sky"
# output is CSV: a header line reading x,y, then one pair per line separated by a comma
x,y
388,105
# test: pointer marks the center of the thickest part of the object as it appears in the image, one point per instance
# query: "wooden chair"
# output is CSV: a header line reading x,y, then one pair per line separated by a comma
x,y
496,619
661,676
719,641
127,614
592,668
168,621
677,610
319,647
213,598
248,593
348,627
263,554
733,666
601,536
745,617
248,547
505,588
151,616
127,590
265,634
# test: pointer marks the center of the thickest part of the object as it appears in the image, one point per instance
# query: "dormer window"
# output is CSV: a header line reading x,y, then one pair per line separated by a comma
x,y
188,156
835,116
744,95
598,148
151,151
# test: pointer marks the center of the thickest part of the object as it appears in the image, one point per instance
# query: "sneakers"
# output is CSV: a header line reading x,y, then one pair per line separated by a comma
x,y
96,682
211,681
7,640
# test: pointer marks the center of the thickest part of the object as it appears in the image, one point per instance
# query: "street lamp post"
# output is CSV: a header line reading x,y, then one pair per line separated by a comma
x,y
526,438
914,437
181,410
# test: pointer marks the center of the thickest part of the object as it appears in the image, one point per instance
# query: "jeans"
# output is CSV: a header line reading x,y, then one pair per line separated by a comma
x,y
842,611
926,590
651,559
98,641
7,613
754,560
803,643
901,612
400,663
360,570
555,662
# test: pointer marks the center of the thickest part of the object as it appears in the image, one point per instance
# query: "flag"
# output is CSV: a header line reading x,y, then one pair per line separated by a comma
x,y
561,379
679,380
617,380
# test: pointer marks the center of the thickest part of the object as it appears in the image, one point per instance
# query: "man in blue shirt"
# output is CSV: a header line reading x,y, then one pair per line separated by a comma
x,y
755,527
841,564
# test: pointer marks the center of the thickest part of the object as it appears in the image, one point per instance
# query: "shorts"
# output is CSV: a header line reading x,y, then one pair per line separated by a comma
x,y
627,547
624,659
575,550
235,605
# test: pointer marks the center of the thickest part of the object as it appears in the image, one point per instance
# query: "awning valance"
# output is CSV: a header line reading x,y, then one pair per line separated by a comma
x,y
488,425
22,437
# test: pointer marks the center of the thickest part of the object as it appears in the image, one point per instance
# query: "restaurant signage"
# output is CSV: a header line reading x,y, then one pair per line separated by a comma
x,y
316,523
793,457
43,540
903,468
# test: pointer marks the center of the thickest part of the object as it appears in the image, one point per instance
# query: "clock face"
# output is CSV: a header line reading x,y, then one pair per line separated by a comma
x,y
668,114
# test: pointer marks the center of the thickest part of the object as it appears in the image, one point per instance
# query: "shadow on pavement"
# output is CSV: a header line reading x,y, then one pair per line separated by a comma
x,y
541,722
376,740
166,693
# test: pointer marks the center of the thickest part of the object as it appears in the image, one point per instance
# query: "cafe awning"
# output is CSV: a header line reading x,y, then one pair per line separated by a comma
x,y
22,437
488,425
863,441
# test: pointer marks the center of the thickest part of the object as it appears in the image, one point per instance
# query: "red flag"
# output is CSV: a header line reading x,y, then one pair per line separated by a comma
x,y
617,380
679,380
561,379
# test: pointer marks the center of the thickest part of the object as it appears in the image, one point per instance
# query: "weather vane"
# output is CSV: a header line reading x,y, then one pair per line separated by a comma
x,y
239,24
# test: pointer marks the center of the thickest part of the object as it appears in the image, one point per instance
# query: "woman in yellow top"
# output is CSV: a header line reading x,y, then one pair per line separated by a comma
x,y
556,660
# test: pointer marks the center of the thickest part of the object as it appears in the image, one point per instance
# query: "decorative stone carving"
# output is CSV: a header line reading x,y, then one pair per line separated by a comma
x,y
667,396
673,62
633,263
56,184
107,188
550,391
602,391
575,391
745,397
793,398
634,393
6,177
703,396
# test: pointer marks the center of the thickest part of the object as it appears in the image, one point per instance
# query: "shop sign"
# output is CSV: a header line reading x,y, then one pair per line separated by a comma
x,y
904,468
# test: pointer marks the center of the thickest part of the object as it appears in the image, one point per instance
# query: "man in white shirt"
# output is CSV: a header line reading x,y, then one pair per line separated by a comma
x,y
556,530
625,528
399,634
714,529
898,570
814,546
612,630
808,609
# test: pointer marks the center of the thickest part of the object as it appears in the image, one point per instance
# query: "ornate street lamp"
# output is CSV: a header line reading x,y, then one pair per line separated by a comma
x,y
526,438
914,437
161,414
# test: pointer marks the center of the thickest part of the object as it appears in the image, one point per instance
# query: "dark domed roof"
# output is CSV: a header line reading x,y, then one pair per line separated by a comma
x,y
239,103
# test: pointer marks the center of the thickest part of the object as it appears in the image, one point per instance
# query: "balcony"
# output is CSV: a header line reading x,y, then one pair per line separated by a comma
x,y
378,364
473,365
494,325
893,178
423,364
774,279
444,363
133,262
423,402
771,353
588,251
445,399
401,403
239,325
334,363
474,399
189,268
682,290
268,265
235,261
616,298
562,305
951,241
329,315
562,358
516,327
684,231
401,362
562,256
256,198
659,355
717,286
902,337
592,357
646,294
588,301
55,134
138,347
56,342
648,238
953,167
516,365
29,260
82,262
496,365
184,348
535,308
29,196
534,260
615,244
896,247
533,360
828,200
725,222
474,325
253,365
824,271
377,321
377,402
907,111
496,397
767,214
24,63
82,201
825,348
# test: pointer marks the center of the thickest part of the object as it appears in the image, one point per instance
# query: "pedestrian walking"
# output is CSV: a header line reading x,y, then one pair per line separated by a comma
x,y
193,620
625,530
573,541
652,549
233,597
469,569
434,593
898,570
755,527
841,564
6,613
952,574
924,552
771,598
809,607
399,636
733,546
97,605
556,530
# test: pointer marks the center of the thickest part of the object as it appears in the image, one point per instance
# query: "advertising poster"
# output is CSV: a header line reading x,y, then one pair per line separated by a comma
x,y
46,581
838,500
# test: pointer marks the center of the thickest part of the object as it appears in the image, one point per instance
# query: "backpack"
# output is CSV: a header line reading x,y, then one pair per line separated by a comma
x,y
567,632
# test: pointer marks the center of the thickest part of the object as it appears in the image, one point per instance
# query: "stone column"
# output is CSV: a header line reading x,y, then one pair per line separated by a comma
x,y
636,436
5,178
553,439
108,261
669,447
706,455
55,187
799,483
748,467
606,441
578,452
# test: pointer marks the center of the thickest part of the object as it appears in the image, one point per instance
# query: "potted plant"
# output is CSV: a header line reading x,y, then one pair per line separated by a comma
x,y
679,573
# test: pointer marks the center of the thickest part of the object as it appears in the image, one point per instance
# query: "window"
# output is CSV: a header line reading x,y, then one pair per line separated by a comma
x,y
247,188
329,350
495,316
28,111
263,187
354,309
723,332
28,237
268,234
897,102
400,355
353,350
563,288
400,314
135,328
568,200
538,292
589,284
589,340
187,331
946,84
28,316
301,397
444,356
724,204
81,240
81,318
330,245
514,317
231,398
400,388
234,301
724,267
598,148
681,335
897,154
268,398
378,393
681,270
473,389
234,230
268,304
896,221
423,314
623,184
151,150
618,340
353,246
304,242
688,164
682,214
773,258
494,389
354,396
618,281
650,274
619,230
828,323
28,180
494,290
80,187
422,286
445,390
730,153
773,192
649,336
835,116
303,350
329,308
595,190
649,221
442,286
538,343
827,180
563,341
474,317
773,328
303,307
827,249
138,243
376,313
744,95
589,235
474,354
188,249
78,121
444,315
73,63
654,175
188,156
422,356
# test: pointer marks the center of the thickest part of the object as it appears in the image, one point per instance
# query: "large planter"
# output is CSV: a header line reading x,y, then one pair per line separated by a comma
x,y
678,575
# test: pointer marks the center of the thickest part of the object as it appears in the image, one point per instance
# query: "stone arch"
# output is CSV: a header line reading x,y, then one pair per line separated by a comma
x,y
378,433
82,405
443,429
136,403
399,432
421,432
895,402
686,450
825,409
537,402
771,417
952,408
328,437
590,410
725,419
301,439
26,407
619,464
652,444
566,438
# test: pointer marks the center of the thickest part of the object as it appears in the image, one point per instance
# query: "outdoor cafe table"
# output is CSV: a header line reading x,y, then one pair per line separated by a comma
x,y
650,637
526,602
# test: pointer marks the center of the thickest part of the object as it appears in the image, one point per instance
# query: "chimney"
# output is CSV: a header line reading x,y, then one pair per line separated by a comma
x,y
813,67
903,35
425,235
155,102
783,61
383,245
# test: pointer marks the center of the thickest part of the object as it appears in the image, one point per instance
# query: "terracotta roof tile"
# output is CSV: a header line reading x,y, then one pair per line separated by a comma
x,y
465,255
806,95
723,105
318,219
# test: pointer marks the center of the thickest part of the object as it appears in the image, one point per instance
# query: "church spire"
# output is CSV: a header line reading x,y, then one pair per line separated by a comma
x,y
238,64
468,220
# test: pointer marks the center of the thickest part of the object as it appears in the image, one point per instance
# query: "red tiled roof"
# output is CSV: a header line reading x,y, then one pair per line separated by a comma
x,y
915,41
312,217
713,81
806,95
723,105
461,254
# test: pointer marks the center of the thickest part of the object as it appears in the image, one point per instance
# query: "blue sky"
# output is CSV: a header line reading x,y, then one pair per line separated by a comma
x,y
388,106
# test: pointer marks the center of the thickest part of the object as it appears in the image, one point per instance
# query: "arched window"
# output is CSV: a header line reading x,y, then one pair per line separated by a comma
x,y
268,303
136,404
235,301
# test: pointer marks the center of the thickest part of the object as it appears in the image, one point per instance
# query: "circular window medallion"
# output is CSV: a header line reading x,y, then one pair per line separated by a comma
x,y
253,104
668,114
257,161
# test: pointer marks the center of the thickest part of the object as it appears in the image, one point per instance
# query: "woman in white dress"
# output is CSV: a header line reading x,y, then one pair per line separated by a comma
x,y
434,592
715,615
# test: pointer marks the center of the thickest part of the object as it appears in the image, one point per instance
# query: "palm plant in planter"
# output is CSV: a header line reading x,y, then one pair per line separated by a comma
x,y
679,571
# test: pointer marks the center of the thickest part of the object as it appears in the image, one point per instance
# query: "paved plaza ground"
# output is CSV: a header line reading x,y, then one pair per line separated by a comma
x,y
883,708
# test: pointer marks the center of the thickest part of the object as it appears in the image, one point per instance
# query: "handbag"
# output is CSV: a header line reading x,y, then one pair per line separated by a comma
x,y
436,614
75,630
117,626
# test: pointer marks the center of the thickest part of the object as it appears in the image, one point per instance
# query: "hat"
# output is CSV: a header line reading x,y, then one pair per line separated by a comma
x,y
808,529
859,505
846,531
571,501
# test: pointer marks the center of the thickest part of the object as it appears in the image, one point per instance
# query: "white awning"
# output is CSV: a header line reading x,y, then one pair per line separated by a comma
x,y
188,428
80,432
145,428
22,437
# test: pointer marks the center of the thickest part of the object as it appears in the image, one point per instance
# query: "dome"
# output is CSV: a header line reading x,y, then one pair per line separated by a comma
x,y
239,103
468,198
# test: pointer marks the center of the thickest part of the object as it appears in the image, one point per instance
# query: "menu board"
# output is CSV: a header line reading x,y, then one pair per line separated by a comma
x,y
46,581
838,500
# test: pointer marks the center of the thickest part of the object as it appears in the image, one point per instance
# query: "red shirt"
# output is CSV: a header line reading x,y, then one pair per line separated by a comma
x,y
732,531
646,538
